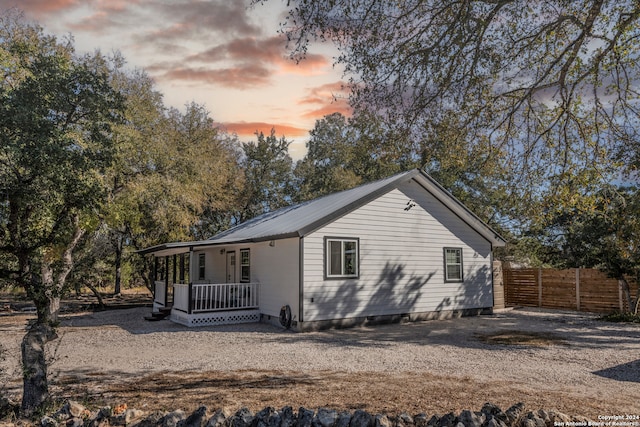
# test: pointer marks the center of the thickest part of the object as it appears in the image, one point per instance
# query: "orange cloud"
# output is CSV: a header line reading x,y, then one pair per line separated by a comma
x,y
250,128
311,65
327,99
341,107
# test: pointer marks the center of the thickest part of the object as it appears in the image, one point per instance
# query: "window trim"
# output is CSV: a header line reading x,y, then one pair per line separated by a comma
x,y
327,257
202,263
446,272
248,265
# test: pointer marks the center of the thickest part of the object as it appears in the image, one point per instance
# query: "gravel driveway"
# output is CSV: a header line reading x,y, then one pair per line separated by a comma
x,y
585,356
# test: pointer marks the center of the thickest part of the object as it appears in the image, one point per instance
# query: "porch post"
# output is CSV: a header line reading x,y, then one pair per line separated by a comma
x,y
182,268
156,261
155,274
190,303
175,267
166,279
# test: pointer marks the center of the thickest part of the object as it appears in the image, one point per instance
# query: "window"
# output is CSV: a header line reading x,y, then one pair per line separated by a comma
x,y
245,266
201,260
341,257
453,265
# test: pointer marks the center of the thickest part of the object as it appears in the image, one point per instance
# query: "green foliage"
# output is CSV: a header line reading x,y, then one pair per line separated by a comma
x,y
267,176
516,104
56,117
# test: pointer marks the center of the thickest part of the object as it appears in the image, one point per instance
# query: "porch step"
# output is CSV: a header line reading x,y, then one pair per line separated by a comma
x,y
159,315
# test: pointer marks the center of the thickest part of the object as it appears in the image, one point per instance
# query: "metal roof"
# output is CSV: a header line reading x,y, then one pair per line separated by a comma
x,y
304,218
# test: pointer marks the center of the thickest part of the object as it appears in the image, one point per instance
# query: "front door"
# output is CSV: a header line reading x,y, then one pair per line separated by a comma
x,y
231,267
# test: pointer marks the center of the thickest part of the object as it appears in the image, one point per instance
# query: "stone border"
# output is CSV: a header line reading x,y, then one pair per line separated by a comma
x,y
75,415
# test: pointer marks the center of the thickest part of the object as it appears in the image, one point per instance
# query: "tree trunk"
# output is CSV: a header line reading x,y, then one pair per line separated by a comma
x,y
36,388
46,296
626,290
97,294
118,264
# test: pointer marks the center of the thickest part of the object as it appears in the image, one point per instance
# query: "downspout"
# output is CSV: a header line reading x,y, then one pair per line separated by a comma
x,y
300,282
166,280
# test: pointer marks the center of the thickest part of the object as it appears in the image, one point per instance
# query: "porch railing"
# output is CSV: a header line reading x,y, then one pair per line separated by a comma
x,y
159,296
215,297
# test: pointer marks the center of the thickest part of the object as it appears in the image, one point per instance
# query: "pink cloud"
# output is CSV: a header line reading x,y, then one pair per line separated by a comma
x,y
39,7
270,50
242,77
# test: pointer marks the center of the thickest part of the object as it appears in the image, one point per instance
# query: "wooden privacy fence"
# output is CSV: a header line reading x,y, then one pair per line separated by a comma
x,y
580,289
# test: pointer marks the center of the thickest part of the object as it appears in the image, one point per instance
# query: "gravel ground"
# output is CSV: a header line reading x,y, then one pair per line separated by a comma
x,y
574,353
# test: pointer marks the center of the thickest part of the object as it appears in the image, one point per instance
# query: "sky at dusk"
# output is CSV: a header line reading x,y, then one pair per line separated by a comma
x,y
219,53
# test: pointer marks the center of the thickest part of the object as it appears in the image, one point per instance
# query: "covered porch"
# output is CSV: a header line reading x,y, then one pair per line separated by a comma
x,y
186,289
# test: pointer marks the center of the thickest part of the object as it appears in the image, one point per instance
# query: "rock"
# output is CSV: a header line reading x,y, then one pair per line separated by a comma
x,y
48,422
218,419
471,419
243,418
381,421
361,418
434,420
173,418
268,417
286,416
305,417
152,420
532,420
5,407
75,409
420,420
493,411
514,413
344,419
404,420
494,422
544,416
75,422
325,418
559,418
131,415
448,420
197,419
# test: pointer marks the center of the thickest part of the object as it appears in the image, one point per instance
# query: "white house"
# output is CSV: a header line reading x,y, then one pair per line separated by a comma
x,y
399,248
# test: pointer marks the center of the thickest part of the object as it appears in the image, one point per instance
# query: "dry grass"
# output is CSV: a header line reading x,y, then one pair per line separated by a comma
x,y
526,338
374,392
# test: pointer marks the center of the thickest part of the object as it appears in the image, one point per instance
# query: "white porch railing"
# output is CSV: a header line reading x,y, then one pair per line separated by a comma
x,y
215,297
159,295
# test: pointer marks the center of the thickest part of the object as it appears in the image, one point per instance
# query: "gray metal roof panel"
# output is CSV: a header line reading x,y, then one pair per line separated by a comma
x,y
303,218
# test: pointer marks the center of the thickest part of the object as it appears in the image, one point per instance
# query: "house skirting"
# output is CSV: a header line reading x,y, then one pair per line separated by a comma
x,y
387,319
215,318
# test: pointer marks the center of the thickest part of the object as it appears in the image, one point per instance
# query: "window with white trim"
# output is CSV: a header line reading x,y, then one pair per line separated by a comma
x,y
342,259
453,264
201,264
245,265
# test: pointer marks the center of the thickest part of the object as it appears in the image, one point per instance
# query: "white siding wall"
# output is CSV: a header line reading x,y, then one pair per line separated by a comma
x,y
401,261
274,267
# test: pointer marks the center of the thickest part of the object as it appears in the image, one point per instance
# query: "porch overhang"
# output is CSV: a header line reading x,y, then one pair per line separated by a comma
x,y
177,248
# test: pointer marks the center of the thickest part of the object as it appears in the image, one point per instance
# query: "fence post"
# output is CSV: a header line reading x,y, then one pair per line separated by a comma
x,y
539,287
578,289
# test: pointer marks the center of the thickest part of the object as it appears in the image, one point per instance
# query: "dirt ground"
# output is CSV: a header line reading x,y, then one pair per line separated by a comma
x,y
571,363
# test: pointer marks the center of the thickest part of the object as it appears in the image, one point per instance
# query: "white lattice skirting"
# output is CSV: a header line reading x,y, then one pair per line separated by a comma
x,y
215,318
